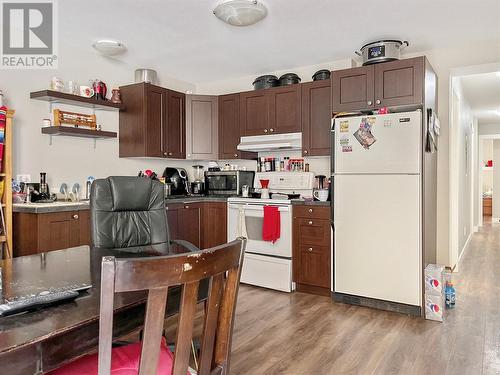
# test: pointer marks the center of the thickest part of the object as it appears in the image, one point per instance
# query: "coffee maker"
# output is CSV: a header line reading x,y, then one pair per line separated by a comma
x,y
179,179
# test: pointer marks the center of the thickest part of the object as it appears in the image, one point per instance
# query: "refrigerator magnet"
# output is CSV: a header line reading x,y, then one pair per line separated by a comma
x,y
344,126
344,141
364,133
346,148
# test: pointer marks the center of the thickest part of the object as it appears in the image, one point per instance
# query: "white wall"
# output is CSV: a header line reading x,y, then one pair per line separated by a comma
x,y
465,149
73,159
489,129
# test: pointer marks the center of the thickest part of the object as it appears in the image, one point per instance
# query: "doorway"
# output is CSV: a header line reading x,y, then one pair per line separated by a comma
x,y
474,132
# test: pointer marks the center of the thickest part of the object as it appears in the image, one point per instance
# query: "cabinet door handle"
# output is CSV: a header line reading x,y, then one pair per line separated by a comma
x,y
271,130
75,216
235,155
186,207
310,210
188,155
310,222
164,154
310,249
169,154
265,130
377,101
369,102
305,152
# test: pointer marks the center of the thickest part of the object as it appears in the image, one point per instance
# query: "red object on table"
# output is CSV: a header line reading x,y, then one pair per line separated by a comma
x,y
271,224
264,184
490,163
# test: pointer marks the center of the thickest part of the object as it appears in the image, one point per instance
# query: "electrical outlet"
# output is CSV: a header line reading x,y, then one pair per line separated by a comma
x,y
23,177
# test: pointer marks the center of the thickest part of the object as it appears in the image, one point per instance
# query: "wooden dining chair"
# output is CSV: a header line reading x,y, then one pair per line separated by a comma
x,y
156,275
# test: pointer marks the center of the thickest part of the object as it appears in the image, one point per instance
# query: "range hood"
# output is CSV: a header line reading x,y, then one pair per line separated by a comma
x,y
271,142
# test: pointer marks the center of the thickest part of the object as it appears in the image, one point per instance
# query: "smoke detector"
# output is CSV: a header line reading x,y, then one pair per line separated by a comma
x,y
109,47
240,12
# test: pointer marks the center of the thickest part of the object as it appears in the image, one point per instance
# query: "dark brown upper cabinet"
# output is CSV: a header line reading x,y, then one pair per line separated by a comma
x,y
316,118
353,89
153,123
399,82
285,109
202,127
276,110
229,128
389,84
254,112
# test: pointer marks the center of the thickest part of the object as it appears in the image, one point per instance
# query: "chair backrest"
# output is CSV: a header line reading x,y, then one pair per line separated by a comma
x,y
127,212
156,275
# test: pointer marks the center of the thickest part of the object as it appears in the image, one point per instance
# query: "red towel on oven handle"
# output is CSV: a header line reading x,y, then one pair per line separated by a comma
x,y
272,224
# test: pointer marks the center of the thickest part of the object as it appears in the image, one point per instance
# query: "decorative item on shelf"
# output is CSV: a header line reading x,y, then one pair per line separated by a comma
x,y
100,89
57,84
116,96
76,119
46,122
73,88
86,91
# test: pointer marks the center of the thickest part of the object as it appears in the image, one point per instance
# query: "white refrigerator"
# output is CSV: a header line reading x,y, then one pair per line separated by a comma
x,y
377,207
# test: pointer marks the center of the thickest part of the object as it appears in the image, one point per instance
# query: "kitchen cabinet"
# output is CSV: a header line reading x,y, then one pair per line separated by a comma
x,y
487,206
229,128
153,122
202,127
353,89
316,118
254,113
37,233
194,222
214,224
311,249
399,82
270,111
185,222
390,84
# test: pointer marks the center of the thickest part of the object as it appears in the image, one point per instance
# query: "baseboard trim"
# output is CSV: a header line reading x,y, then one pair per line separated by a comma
x,y
312,289
464,249
377,304
495,220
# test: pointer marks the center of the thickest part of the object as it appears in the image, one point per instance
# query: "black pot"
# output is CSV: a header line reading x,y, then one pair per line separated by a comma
x,y
265,82
321,75
289,79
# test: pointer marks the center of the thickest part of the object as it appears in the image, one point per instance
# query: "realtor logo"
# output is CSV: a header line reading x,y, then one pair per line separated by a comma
x,y
28,35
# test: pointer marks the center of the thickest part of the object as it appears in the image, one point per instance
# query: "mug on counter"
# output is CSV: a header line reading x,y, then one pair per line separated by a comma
x,y
321,194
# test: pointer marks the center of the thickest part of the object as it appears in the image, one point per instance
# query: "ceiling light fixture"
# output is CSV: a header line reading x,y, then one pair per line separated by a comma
x,y
109,47
240,12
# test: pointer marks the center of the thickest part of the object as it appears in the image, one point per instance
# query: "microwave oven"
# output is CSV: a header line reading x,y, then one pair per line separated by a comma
x,y
227,182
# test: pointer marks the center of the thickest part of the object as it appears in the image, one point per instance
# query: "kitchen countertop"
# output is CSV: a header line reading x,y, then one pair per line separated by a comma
x,y
38,208
309,203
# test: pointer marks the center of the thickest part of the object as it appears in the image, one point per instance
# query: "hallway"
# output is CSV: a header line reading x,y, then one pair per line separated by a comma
x,y
302,334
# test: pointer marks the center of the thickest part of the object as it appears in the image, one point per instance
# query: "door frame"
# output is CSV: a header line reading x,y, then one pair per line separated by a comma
x,y
453,160
479,197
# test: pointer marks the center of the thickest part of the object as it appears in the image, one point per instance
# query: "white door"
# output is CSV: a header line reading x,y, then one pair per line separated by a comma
x,y
377,237
378,144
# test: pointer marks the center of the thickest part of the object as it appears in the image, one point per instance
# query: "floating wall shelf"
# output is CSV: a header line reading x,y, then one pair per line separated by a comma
x,y
64,98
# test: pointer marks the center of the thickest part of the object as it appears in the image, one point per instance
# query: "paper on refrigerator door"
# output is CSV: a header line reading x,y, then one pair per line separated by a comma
x,y
364,133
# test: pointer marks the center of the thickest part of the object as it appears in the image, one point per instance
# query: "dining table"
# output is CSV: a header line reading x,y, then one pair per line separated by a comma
x,y
36,342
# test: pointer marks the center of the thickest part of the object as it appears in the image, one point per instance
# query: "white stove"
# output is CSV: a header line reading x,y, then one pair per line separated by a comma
x,y
268,264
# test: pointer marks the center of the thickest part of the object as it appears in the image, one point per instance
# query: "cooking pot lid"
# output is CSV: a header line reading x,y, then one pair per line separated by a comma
x,y
400,42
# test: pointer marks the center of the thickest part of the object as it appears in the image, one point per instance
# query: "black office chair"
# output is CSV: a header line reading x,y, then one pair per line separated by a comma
x,y
128,213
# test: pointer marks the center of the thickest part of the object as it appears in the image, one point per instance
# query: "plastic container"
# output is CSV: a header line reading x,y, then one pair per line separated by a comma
x,y
449,295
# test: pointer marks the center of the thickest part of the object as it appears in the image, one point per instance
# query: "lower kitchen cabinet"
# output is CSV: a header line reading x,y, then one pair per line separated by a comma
x,y
37,233
214,224
311,249
204,224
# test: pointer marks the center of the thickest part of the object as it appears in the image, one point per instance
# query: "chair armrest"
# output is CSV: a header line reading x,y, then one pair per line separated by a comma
x,y
185,244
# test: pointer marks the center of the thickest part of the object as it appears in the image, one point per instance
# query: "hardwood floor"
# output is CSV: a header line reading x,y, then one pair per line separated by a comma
x,y
299,334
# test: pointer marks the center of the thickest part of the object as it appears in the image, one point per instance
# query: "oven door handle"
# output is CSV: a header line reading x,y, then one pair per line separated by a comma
x,y
256,207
